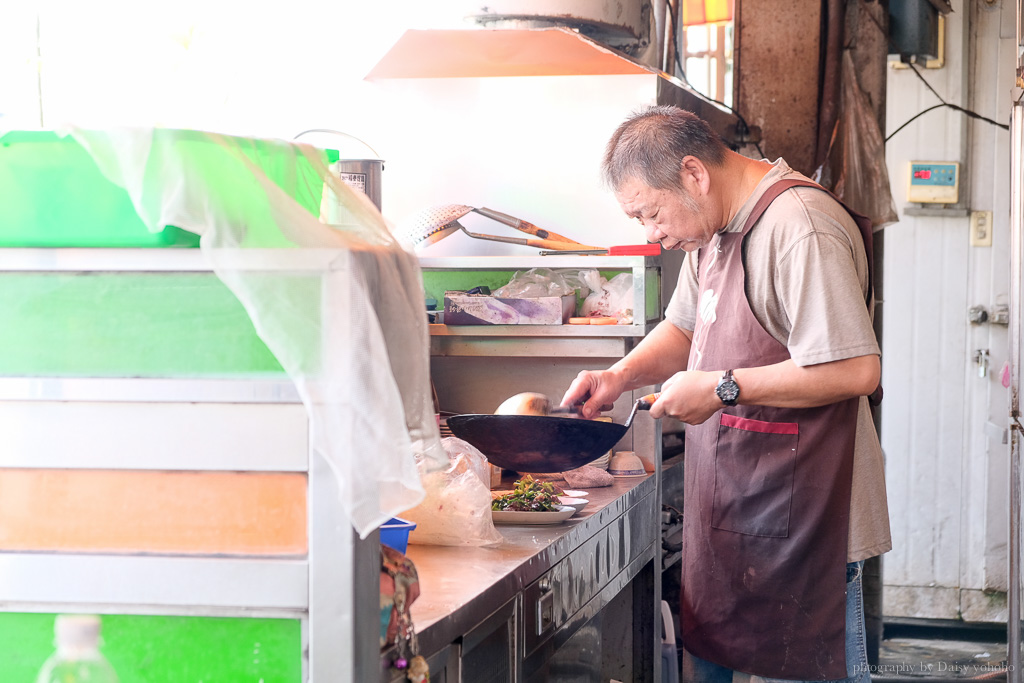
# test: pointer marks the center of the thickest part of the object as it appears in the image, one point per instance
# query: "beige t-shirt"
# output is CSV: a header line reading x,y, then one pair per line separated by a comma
x,y
807,279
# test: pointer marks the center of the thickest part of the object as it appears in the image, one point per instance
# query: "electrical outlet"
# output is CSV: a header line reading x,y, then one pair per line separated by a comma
x,y
981,228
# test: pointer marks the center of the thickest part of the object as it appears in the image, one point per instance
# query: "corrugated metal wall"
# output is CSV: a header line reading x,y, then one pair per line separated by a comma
x,y
943,422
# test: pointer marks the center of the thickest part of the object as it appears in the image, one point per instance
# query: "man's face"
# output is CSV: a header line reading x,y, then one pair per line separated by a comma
x,y
671,217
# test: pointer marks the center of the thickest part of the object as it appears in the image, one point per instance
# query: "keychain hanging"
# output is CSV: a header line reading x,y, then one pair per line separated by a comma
x,y
408,659
406,641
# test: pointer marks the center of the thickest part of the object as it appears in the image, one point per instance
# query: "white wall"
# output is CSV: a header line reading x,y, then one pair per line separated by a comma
x,y
261,69
529,147
943,424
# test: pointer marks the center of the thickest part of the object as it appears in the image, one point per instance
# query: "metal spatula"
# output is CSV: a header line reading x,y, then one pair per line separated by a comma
x,y
436,223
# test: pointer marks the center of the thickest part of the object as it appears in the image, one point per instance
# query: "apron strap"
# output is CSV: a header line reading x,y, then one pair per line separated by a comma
x,y
863,224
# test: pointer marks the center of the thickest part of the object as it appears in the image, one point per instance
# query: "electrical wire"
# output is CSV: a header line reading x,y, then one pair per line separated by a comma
x,y
926,83
968,112
743,127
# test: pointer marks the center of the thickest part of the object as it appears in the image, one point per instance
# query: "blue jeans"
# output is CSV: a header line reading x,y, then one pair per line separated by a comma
x,y
696,670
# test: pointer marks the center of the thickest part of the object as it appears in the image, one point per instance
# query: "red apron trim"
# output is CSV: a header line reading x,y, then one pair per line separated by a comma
x,y
749,425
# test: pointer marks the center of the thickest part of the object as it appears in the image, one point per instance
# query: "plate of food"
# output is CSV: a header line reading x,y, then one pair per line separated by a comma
x,y
529,502
559,514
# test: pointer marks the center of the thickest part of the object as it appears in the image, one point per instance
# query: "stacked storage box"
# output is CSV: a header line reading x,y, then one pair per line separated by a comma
x,y
155,467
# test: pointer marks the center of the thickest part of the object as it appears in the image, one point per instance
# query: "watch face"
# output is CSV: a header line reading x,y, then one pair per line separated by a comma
x,y
728,391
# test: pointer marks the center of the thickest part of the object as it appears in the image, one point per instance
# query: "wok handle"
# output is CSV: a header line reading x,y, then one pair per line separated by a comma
x,y
555,245
544,234
642,403
645,402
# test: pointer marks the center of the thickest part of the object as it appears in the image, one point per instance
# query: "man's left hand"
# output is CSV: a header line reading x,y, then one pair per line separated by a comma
x,y
689,396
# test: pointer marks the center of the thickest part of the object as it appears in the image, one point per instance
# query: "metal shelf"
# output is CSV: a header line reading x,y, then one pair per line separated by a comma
x,y
227,586
524,262
150,389
575,331
173,260
582,341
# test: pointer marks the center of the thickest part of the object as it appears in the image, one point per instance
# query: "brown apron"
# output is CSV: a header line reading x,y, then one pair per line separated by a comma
x,y
766,499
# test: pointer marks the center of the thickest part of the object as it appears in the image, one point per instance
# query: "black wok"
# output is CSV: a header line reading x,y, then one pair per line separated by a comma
x,y
539,443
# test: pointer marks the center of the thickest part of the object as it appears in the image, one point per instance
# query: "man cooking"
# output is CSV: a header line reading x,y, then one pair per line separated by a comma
x,y
767,353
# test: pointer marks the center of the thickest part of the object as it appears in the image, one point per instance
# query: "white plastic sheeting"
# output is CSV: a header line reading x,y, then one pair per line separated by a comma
x,y
341,307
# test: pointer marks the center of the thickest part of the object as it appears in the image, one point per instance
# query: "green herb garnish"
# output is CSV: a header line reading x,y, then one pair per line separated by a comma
x,y
528,496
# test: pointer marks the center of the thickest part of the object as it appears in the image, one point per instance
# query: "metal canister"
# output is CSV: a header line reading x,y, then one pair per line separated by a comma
x,y
361,174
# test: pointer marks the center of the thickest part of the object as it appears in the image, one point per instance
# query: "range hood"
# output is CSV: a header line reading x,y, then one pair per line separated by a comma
x,y
487,53
629,26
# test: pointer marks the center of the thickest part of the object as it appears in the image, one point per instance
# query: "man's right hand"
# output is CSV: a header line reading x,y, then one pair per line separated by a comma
x,y
658,356
594,391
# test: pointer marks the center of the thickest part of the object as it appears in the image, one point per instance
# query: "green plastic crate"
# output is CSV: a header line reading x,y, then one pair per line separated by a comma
x,y
52,194
165,649
130,325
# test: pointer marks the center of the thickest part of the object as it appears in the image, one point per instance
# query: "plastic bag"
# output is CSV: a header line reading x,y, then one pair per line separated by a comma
x,y
340,307
536,282
610,298
457,506
855,169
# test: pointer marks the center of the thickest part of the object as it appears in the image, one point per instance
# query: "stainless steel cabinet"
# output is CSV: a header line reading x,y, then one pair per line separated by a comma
x,y
593,614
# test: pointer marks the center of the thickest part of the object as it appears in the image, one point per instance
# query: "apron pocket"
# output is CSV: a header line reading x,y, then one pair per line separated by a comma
x,y
754,469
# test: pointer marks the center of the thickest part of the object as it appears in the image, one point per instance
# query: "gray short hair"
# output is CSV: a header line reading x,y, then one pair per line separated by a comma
x,y
651,143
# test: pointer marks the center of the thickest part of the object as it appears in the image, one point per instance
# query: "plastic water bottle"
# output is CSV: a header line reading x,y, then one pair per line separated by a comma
x,y
78,658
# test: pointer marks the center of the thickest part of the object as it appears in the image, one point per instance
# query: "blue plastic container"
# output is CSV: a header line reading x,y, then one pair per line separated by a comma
x,y
395,533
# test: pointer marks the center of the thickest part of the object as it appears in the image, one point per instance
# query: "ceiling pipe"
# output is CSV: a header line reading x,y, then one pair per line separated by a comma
x,y
828,111
660,37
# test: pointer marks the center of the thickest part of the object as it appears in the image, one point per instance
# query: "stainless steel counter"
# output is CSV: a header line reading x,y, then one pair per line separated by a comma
x,y
609,540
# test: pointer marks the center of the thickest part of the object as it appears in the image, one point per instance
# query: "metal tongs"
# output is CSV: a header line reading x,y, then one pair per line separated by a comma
x,y
433,224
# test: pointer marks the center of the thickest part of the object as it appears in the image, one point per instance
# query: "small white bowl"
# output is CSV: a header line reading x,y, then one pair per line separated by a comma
x,y
626,464
574,494
578,503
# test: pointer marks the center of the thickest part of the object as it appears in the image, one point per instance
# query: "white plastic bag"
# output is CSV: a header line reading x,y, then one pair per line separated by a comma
x,y
613,298
340,307
855,170
535,283
457,507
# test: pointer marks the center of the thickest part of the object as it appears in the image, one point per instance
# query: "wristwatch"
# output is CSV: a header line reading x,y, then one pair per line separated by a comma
x,y
727,389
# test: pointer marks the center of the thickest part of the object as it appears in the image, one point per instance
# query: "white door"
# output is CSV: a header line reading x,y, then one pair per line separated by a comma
x,y
944,417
